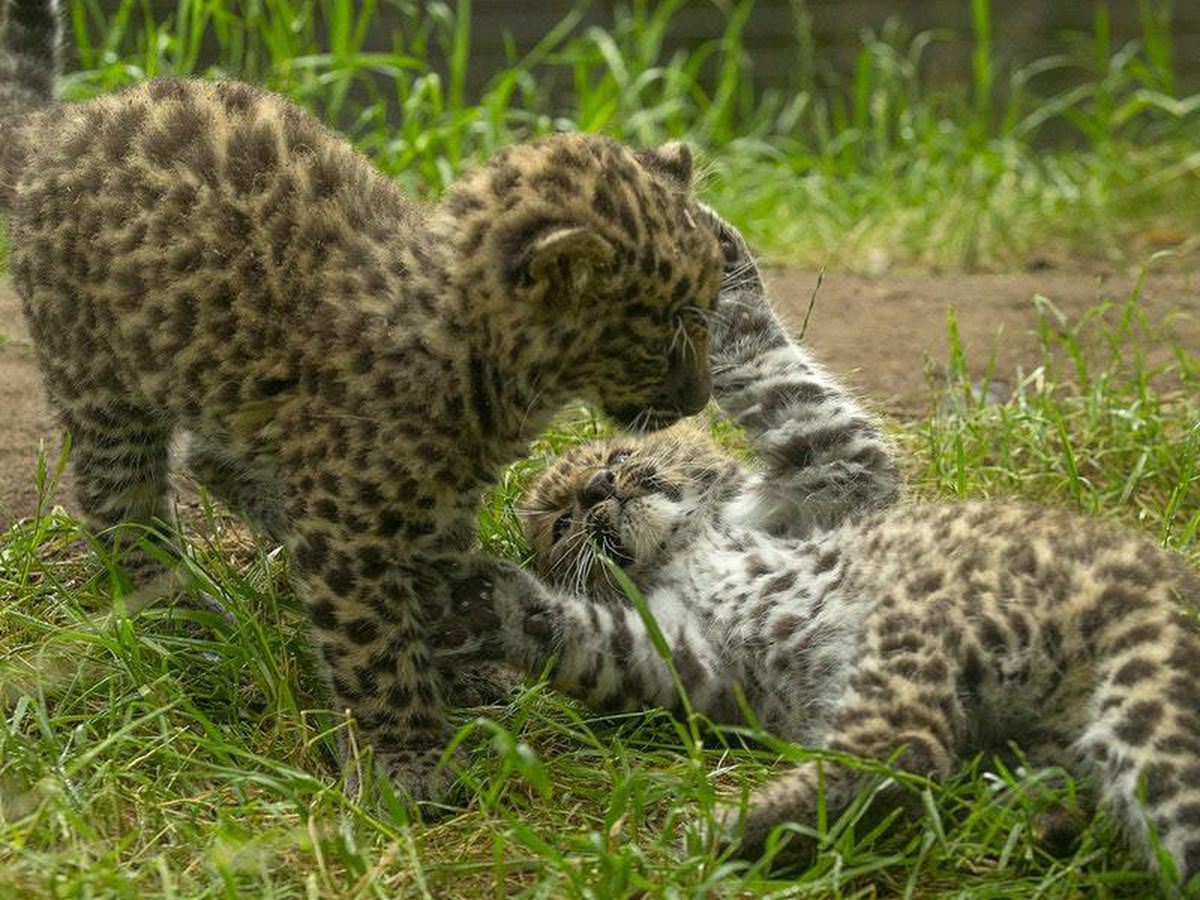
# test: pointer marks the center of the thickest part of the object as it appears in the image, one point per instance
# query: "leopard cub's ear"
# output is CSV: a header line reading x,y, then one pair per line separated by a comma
x,y
672,159
570,256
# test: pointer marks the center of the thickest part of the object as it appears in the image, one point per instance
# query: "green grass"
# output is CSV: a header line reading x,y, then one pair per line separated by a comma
x,y
1095,426
883,170
181,755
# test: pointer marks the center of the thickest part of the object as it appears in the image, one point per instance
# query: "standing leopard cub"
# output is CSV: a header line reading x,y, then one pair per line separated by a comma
x,y
351,367
922,634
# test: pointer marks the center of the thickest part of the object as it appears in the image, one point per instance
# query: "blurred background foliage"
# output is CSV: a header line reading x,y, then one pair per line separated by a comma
x,y
857,134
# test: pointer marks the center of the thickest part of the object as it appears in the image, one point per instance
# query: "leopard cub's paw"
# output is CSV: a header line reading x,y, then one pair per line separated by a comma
x,y
724,830
470,605
472,595
721,831
744,832
1059,829
484,683
421,775
463,623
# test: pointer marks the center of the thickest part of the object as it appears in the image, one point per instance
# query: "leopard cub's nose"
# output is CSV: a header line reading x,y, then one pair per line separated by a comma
x,y
599,487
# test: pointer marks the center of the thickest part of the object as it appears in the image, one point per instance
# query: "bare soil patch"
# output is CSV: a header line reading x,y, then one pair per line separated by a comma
x,y
887,335
884,334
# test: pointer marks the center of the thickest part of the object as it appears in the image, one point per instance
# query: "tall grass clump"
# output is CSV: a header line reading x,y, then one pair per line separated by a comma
x,y
882,169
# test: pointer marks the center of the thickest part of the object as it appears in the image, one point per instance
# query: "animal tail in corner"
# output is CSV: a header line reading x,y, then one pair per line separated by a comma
x,y
30,59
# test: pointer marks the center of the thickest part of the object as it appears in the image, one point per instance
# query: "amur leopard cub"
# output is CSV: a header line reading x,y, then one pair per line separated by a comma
x,y
916,633
351,367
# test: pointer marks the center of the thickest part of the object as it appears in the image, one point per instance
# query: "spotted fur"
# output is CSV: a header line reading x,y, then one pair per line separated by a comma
x,y
921,634
351,367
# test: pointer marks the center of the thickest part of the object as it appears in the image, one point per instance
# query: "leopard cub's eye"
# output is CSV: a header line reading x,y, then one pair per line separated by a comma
x,y
561,526
618,457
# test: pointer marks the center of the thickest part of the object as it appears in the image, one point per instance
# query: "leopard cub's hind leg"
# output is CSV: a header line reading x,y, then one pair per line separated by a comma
x,y
1060,807
900,708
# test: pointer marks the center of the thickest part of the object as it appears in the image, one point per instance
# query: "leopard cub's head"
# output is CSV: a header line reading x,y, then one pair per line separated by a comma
x,y
638,500
598,263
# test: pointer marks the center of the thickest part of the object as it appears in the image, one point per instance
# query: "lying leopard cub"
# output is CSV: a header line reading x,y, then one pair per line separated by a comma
x,y
352,367
851,622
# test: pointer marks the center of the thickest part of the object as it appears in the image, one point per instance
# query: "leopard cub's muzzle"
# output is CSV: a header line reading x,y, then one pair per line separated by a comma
x,y
688,388
684,392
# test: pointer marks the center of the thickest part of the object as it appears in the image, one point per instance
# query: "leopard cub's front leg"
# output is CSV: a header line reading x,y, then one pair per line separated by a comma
x,y
364,599
599,652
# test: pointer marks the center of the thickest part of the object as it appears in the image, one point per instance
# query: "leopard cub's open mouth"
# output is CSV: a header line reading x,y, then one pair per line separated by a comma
x,y
609,543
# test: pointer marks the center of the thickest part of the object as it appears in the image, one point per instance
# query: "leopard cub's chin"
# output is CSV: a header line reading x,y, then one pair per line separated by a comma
x,y
654,527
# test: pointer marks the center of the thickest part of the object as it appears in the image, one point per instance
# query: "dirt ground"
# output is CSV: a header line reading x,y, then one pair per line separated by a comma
x,y
883,334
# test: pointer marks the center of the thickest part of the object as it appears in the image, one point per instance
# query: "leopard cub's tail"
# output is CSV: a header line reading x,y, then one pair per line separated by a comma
x,y
30,59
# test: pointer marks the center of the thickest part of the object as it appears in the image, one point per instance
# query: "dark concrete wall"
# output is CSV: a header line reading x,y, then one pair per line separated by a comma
x,y
1023,30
